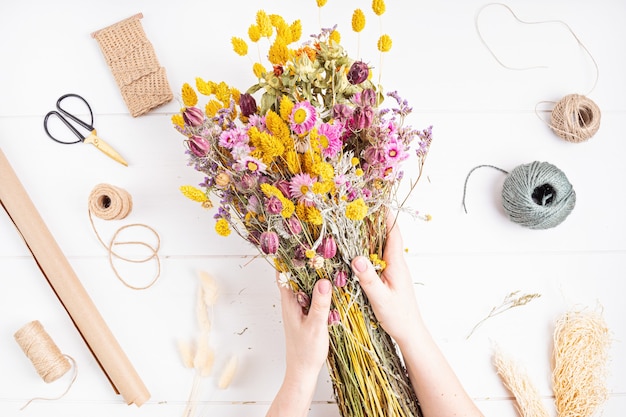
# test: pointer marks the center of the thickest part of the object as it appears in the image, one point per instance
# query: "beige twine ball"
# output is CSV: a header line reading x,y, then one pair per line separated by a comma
x,y
575,118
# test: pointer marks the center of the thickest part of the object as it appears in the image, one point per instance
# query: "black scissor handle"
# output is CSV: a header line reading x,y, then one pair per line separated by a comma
x,y
63,115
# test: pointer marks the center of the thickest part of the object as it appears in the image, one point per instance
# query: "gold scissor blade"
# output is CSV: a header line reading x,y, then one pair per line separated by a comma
x,y
104,147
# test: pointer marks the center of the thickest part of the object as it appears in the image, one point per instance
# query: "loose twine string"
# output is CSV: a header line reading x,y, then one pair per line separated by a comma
x,y
108,202
575,117
45,356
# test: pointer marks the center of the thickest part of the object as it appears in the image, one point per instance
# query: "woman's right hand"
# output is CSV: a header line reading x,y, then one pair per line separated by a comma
x,y
391,295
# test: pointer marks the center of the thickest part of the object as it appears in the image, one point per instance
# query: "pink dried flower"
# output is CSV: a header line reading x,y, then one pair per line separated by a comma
x,y
293,225
341,278
193,116
302,117
328,247
273,205
334,317
198,145
269,243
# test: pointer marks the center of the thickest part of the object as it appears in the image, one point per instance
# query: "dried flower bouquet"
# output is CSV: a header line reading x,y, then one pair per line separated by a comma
x,y
308,175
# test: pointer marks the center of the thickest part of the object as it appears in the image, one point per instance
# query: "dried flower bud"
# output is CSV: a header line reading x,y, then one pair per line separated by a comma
x,y
222,179
362,118
328,247
269,242
193,116
247,104
316,262
198,145
359,71
334,317
303,299
294,225
283,186
341,278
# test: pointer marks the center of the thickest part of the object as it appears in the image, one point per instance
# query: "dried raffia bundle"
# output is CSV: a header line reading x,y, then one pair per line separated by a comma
x,y
516,380
308,176
581,352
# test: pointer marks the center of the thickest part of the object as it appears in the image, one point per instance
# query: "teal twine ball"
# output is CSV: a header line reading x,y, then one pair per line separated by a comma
x,y
538,195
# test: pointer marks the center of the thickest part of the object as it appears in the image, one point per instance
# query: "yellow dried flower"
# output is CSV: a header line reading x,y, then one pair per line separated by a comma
x,y
222,93
264,23
296,30
271,191
288,208
177,120
239,46
358,20
321,3
335,36
254,33
212,107
235,94
222,227
193,193
377,262
286,106
204,87
278,53
293,162
354,161
358,172
309,253
356,210
258,69
384,43
314,216
378,6
324,170
190,98
278,127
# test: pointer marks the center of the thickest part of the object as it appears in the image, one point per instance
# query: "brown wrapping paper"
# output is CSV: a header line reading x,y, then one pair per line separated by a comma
x,y
68,288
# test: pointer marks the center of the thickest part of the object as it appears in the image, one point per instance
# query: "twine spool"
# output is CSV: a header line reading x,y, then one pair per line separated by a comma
x,y
45,356
108,202
536,195
575,118
43,353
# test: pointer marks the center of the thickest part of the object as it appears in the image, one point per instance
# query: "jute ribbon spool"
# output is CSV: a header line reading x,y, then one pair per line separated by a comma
x,y
45,355
108,202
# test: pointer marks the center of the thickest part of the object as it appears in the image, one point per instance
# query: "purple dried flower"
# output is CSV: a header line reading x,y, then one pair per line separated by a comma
x,y
193,116
303,299
362,118
247,104
269,242
359,71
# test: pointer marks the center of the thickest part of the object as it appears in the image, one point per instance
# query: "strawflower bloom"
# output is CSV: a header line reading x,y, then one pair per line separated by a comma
x,y
302,117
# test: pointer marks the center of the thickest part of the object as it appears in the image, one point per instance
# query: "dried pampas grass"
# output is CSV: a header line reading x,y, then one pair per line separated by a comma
x,y
516,380
581,352
228,373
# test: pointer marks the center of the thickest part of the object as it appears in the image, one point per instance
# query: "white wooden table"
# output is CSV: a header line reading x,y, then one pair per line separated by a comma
x,y
463,264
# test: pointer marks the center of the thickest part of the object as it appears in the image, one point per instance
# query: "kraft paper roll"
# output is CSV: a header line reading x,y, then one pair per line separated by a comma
x,y
68,288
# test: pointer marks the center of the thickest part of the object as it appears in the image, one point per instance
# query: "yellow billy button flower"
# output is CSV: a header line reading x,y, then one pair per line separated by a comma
x,y
335,36
354,161
356,210
358,172
378,6
310,253
358,20
222,227
254,33
239,46
321,3
377,262
190,98
384,43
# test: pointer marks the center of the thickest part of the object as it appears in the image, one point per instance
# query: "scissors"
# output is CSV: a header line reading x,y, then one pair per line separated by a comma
x,y
67,117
